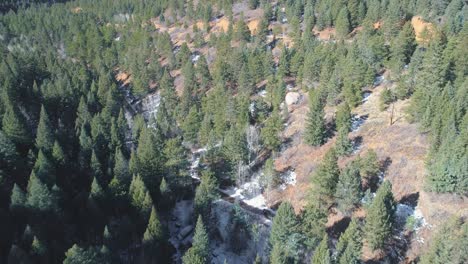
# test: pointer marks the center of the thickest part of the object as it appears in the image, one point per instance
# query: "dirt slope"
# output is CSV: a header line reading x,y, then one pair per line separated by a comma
x,y
400,146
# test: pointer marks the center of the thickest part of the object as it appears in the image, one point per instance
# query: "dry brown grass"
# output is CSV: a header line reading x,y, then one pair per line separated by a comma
x,y
420,26
253,26
221,25
123,77
377,25
77,10
325,34
401,144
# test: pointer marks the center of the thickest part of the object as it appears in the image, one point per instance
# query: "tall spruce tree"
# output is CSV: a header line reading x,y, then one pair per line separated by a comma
x,y
343,117
343,26
325,177
348,249
348,190
380,217
45,134
315,126
200,250
154,235
343,145
284,224
206,192
322,253
14,125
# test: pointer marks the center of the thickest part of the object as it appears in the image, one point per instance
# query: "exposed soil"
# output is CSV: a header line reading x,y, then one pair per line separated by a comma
x,y
400,147
420,26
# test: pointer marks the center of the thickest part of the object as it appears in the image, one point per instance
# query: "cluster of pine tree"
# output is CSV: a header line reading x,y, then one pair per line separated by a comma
x,y
83,180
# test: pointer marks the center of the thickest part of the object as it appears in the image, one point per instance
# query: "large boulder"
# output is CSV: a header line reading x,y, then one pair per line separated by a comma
x,y
292,98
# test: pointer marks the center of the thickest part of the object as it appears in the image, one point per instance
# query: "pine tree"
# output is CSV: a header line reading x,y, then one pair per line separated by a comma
x,y
83,115
284,224
369,165
150,160
315,127
270,133
200,250
96,192
8,153
187,99
176,162
402,48
242,30
284,63
348,190
354,16
206,193
44,169
322,253
77,255
343,117
39,196
96,167
325,177
17,198
154,235
278,254
350,244
14,125
139,196
164,188
313,220
38,247
343,145
448,244
57,154
191,125
45,134
343,26
121,169
203,72
380,217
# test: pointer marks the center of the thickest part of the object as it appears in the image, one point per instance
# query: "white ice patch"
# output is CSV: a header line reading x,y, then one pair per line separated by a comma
x,y
262,93
378,80
365,96
356,122
195,58
252,108
249,192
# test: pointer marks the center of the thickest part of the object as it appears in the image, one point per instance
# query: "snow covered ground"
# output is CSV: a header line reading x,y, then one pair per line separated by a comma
x,y
250,192
356,122
288,178
378,80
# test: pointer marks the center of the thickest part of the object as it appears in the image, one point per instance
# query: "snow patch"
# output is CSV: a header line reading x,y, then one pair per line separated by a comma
x,y
378,80
249,192
195,58
288,178
365,96
262,93
356,122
